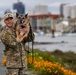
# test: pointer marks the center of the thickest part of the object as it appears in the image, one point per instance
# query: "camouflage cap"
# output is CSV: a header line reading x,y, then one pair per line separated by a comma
x,y
8,15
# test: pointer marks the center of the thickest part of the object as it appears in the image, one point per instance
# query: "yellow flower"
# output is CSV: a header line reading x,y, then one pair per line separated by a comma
x,y
40,58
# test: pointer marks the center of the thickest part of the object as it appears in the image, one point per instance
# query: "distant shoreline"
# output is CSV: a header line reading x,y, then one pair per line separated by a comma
x,y
37,43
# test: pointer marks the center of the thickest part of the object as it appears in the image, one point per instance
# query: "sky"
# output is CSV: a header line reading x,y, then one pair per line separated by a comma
x,y
53,5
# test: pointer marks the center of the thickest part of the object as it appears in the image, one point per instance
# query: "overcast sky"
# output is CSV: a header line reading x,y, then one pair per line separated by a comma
x,y
53,5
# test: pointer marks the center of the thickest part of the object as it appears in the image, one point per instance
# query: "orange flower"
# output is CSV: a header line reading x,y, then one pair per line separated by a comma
x,y
4,61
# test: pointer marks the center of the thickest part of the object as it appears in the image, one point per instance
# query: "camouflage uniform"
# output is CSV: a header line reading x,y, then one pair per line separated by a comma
x,y
15,52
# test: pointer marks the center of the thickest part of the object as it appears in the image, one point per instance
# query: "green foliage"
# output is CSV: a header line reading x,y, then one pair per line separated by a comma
x,y
47,56
68,59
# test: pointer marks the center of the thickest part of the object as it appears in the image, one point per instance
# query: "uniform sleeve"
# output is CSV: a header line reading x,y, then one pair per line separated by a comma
x,y
5,40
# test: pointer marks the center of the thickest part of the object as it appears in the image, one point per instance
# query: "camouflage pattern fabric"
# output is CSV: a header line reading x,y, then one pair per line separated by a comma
x,y
15,51
16,72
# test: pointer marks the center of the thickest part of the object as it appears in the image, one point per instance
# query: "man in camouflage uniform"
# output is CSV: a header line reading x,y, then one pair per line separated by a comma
x,y
15,51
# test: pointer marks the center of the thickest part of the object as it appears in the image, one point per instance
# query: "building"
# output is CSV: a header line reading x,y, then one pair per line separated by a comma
x,y
43,22
38,9
68,11
41,9
20,7
31,11
61,9
62,26
72,25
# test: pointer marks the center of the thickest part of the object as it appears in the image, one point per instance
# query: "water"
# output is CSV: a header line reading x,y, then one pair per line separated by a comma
x,y
64,43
